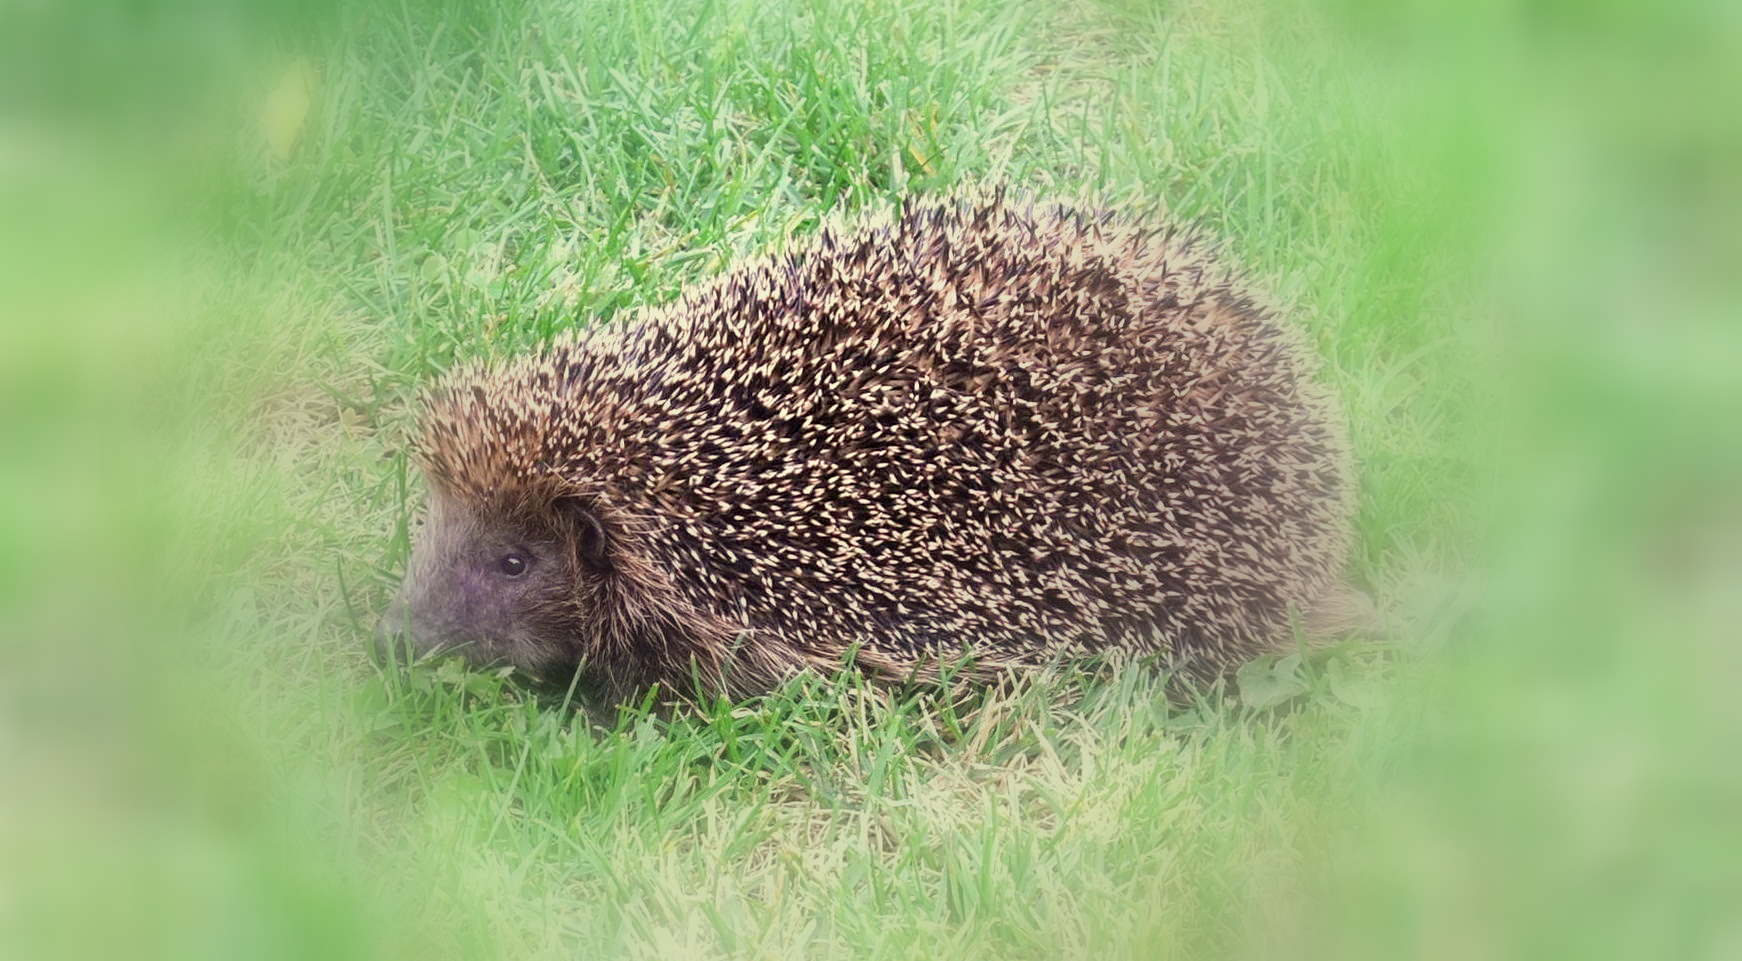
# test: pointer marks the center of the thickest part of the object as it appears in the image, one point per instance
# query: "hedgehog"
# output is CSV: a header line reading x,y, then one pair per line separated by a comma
x,y
973,435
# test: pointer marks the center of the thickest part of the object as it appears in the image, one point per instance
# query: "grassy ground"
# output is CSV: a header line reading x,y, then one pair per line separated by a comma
x,y
1508,229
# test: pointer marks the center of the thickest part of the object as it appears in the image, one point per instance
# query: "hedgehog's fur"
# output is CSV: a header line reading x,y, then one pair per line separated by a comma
x,y
979,427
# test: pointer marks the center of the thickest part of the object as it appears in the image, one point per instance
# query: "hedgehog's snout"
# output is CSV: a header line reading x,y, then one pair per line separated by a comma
x,y
391,622
425,618
401,634
394,636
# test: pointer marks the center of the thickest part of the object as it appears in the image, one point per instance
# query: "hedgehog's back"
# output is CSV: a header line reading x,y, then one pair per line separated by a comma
x,y
980,426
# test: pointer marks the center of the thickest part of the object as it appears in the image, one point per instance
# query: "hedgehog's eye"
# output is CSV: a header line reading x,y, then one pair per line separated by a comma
x,y
513,565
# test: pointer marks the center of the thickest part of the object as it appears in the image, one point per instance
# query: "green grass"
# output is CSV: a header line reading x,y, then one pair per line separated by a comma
x,y
1508,229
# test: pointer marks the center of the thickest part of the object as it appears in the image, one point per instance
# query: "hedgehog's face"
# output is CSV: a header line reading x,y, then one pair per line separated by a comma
x,y
498,586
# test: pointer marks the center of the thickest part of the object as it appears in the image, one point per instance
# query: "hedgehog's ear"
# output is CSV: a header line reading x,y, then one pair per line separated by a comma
x,y
592,542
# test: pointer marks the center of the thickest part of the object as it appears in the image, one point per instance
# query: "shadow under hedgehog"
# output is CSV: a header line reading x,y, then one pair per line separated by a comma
x,y
975,429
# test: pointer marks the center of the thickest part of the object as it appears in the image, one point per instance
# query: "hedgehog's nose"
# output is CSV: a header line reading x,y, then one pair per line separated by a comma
x,y
393,637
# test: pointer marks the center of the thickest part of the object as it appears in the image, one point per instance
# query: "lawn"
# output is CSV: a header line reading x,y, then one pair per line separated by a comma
x,y
242,237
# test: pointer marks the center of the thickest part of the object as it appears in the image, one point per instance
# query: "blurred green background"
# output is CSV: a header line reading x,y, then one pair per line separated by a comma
x,y
236,237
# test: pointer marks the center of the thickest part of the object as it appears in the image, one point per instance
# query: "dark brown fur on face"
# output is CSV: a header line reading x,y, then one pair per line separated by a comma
x,y
979,429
